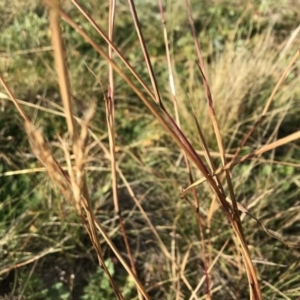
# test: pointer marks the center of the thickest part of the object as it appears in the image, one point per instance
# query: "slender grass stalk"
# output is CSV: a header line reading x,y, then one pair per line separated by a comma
x,y
191,180
110,116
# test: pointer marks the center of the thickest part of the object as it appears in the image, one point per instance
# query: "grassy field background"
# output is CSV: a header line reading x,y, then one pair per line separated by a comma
x,y
45,252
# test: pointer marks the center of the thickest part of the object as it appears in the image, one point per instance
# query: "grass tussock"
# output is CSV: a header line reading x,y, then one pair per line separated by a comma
x,y
149,166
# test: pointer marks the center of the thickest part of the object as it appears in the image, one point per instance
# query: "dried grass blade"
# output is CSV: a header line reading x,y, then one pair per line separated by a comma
x,y
145,52
110,116
60,61
195,196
